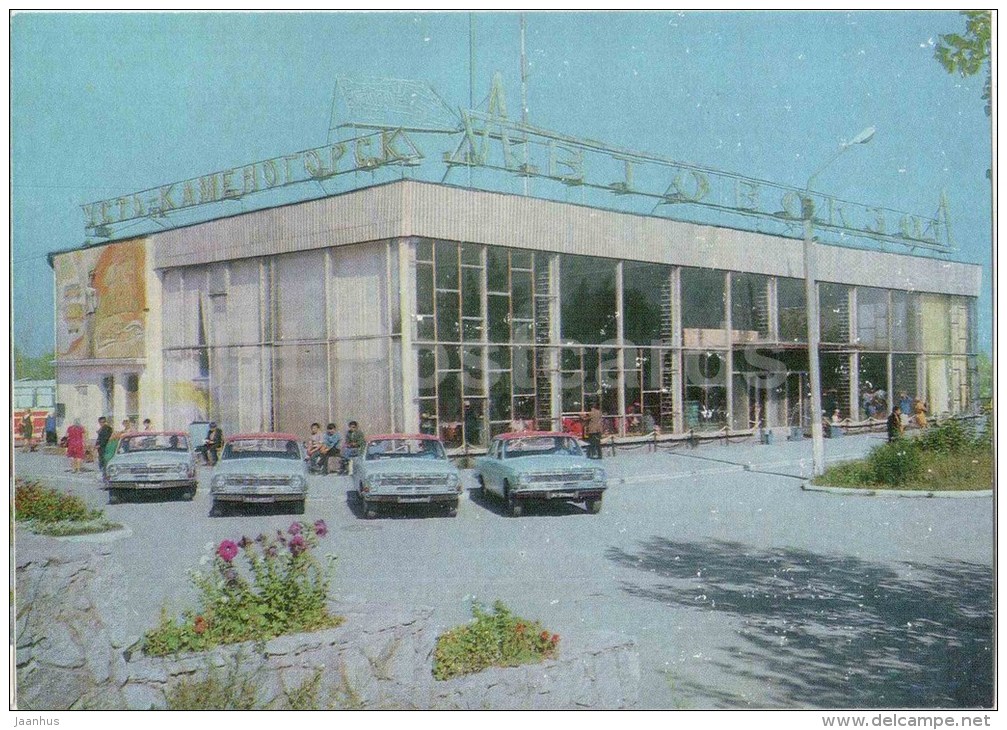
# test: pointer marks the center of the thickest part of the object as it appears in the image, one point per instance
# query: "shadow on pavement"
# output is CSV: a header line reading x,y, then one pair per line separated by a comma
x,y
834,631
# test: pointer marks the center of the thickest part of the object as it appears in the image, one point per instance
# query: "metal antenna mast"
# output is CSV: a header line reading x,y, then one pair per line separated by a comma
x,y
524,102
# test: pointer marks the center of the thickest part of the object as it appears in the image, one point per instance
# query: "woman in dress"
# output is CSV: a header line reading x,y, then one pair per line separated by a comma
x,y
75,445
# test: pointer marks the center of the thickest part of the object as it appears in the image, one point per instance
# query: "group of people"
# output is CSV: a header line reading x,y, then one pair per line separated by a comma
x,y
323,446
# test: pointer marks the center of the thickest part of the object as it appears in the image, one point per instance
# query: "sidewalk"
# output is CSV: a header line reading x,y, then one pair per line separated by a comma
x,y
785,458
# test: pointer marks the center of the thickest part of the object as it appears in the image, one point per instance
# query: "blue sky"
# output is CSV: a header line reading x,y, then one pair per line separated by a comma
x,y
132,101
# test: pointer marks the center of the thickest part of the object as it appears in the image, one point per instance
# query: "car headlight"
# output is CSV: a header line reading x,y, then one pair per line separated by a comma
x,y
112,470
599,475
297,482
218,481
523,478
452,480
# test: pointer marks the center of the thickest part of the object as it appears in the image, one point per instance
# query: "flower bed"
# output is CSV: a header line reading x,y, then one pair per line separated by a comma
x,y
51,512
281,589
497,639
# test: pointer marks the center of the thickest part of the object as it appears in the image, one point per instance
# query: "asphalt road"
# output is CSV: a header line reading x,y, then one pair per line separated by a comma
x,y
740,589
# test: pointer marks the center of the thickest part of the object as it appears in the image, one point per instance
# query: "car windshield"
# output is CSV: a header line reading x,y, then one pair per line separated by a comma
x,y
541,446
258,448
402,448
153,442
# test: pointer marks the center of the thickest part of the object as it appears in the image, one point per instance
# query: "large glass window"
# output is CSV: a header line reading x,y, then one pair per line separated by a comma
x,y
834,312
702,299
749,307
793,312
905,321
705,401
904,382
873,377
872,318
587,299
935,320
646,305
835,369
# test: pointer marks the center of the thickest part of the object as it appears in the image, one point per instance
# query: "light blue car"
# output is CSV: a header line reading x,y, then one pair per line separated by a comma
x,y
538,465
405,469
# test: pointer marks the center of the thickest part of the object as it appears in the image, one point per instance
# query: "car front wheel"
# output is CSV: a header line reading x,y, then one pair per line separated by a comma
x,y
370,510
593,506
114,497
514,507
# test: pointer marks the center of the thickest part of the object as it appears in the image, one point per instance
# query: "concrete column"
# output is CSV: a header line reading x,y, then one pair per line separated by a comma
x,y
555,384
678,384
118,398
729,360
854,396
620,348
407,305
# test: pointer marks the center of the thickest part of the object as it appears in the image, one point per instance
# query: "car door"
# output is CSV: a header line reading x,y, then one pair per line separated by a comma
x,y
490,468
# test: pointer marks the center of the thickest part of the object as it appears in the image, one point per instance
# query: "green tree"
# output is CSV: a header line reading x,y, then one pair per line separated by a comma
x,y
33,368
969,54
985,365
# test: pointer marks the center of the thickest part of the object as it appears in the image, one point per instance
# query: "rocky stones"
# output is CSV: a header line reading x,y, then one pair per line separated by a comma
x,y
69,655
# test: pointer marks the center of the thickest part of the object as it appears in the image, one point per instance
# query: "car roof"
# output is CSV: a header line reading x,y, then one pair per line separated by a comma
x,y
270,435
389,436
532,434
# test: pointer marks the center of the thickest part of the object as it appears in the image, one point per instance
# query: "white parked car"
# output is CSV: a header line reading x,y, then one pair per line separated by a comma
x,y
260,468
405,469
151,460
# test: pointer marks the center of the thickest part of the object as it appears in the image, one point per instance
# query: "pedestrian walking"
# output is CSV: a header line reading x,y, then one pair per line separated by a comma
x,y
593,431
75,445
27,431
104,434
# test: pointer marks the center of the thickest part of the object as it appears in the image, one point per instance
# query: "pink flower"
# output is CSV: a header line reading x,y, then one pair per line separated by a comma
x,y
297,545
321,529
295,528
227,550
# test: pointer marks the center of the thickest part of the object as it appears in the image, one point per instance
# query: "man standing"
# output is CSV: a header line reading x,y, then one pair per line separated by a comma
x,y
147,425
593,432
895,424
27,431
50,429
104,434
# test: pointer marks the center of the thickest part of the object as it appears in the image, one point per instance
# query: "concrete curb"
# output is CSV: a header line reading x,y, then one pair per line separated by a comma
x,y
807,486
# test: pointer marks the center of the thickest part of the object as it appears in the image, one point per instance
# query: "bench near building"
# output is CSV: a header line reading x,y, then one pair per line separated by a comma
x,y
413,305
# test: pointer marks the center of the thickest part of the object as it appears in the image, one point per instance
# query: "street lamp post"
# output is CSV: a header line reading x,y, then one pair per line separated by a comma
x,y
811,306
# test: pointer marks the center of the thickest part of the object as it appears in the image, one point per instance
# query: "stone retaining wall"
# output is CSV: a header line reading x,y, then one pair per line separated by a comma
x,y
70,655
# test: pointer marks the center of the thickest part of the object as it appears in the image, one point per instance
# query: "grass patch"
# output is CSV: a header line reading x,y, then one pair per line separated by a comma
x,y
497,639
947,458
69,528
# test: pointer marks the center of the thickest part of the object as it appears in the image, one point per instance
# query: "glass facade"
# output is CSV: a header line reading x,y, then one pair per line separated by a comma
x,y
502,339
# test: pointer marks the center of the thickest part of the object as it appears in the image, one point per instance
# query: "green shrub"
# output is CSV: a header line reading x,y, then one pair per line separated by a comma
x,y
283,590
497,639
895,463
32,501
948,437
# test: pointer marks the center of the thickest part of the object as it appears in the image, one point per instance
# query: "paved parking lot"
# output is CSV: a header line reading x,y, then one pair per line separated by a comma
x,y
741,589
